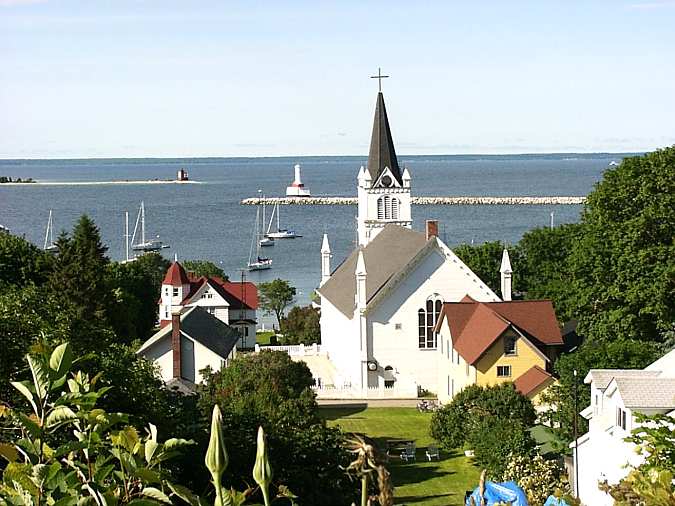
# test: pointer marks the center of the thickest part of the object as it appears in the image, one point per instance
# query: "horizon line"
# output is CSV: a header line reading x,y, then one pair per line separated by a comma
x,y
204,157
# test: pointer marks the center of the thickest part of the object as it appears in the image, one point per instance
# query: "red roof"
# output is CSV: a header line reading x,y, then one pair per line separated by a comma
x,y
475,326
531,381
176,275
238,296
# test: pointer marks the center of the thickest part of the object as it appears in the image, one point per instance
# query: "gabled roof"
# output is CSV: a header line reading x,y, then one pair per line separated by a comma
x,y
646,392
203,327
475,326
532,380
601,378
382,153
176,275
385,256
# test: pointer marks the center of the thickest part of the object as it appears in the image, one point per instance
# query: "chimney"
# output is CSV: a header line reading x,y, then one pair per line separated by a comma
x,y
175,343
432,229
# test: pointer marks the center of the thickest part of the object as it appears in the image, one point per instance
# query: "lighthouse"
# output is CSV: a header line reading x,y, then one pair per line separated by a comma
x,y
297,189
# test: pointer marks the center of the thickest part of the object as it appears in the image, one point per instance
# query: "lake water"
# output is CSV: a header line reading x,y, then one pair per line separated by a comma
x,y
206,221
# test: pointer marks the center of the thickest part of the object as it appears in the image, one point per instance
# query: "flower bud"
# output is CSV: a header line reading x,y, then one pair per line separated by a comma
x,y
262,472
216,455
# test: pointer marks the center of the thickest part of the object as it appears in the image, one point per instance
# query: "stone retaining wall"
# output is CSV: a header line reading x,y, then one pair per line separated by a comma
x,y
429,201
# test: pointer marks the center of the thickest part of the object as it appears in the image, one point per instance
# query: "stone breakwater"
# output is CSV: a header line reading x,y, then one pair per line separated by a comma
x,y
421,201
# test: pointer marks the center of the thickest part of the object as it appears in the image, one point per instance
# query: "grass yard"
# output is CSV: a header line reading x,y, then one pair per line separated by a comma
x,y
436,483
263,338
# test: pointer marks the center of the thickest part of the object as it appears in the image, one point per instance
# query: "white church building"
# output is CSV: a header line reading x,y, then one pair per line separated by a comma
x,y
380,306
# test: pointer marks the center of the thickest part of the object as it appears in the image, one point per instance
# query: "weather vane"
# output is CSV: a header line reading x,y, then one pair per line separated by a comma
x,y
379,78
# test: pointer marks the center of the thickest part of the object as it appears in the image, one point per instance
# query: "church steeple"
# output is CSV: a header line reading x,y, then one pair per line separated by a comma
x,y
383,192
382,154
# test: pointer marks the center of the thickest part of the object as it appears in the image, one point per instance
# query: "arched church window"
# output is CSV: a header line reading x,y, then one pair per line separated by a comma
x,y
388,208
427,317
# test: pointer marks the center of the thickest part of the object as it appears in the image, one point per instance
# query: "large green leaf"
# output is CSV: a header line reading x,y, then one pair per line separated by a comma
x,y
22,386
9,452
60,415
184,493
40,376
156,494
61,360
150,449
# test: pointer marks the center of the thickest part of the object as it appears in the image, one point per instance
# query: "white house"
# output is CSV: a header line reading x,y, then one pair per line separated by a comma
x,y
192,340
380,306
232,303
616,395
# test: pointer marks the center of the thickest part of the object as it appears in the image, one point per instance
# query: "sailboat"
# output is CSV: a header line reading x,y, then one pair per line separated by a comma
x,y
264,240
281,233
49,236
126,239
145,245
257,263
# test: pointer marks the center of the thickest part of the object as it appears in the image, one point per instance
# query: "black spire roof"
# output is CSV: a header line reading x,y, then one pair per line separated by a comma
x,y
382,153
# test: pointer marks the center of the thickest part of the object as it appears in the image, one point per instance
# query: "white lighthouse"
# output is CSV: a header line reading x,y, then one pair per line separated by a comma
x,y
297,189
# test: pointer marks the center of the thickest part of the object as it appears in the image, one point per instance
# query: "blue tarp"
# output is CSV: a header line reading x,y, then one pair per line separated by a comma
x,y
500,492
554,501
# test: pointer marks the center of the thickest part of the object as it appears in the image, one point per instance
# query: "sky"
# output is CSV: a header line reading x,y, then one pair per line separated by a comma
x,y
175,78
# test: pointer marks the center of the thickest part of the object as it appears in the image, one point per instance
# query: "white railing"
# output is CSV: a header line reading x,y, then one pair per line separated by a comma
x,y
295,350
394,392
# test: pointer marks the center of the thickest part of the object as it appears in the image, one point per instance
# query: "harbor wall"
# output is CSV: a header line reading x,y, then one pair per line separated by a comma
x,y
429,201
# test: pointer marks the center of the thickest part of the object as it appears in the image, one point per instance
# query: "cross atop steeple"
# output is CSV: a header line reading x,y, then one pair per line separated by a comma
x,y
379,78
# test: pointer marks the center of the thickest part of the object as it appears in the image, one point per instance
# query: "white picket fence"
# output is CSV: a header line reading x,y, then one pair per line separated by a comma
x,y
296,350
398,391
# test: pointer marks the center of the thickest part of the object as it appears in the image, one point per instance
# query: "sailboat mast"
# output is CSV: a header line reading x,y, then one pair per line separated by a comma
x,y
142,222
278,228
49,226
126,234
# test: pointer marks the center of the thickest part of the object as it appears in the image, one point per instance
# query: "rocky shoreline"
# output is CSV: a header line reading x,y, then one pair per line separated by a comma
x,y
423,201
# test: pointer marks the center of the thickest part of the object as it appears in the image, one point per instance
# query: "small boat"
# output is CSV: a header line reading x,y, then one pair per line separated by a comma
x,y
265,242
257,263
145,245
49,236
613,164
280,233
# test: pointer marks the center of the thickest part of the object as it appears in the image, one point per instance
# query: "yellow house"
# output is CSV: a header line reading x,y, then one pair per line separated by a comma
x,y
486,343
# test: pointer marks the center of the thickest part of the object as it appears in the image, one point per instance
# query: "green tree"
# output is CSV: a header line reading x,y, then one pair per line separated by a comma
x,y
452,424
301,325
275,297
79,271
623,266
272,391
21,262
204,268
485,261
135,287
543,266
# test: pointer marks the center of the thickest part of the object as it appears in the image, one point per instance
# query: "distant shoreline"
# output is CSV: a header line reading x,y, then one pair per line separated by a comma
x,y
467,156
91,183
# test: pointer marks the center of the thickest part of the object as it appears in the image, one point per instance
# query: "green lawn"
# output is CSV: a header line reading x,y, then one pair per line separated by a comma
x,y
263,338
437,483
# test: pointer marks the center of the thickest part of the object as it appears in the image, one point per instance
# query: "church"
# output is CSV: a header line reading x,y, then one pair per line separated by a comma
x,y
380,306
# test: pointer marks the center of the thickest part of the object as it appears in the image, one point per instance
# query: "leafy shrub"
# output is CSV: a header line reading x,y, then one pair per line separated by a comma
x,y
538,477
453,424
494,440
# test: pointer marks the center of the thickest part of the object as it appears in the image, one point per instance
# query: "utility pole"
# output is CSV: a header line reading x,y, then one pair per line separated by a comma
x,y
576,441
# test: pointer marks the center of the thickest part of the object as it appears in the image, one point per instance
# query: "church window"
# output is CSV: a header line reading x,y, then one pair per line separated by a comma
x,y
175,292
510,346
427,317
388,208
397,326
